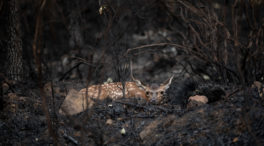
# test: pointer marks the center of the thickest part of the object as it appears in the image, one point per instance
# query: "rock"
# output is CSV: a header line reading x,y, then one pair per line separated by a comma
x,y
109,122
197,100
74,103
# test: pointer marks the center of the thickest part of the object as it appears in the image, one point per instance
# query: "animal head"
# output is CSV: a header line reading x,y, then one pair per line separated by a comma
x,y
154,92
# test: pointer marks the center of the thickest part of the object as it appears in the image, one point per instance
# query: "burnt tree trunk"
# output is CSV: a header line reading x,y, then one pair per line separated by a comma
x,y
14,68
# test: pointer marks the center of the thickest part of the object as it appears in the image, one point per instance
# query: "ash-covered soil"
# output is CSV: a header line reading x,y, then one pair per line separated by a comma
x,y
235,117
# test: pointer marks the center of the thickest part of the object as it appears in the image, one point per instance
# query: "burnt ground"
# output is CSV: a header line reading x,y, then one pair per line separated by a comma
x,y
235,117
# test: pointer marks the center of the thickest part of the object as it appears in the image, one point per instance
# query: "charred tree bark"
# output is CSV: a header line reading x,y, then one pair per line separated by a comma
x,y
1,93
14,67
